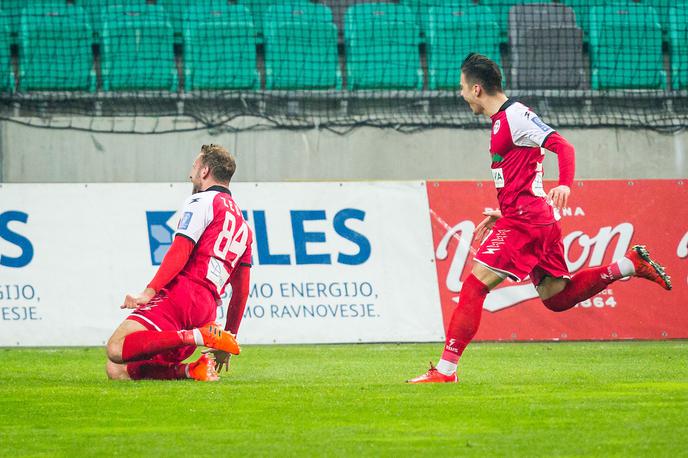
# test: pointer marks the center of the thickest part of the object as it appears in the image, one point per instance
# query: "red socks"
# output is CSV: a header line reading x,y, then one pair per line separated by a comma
x,y
465,319
583,285
156,371
145,344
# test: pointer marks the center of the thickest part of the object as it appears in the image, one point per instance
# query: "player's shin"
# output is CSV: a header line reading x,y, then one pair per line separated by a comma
x,y
464,323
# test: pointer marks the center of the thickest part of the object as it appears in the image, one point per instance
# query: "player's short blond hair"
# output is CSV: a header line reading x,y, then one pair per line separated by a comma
x,y
220,162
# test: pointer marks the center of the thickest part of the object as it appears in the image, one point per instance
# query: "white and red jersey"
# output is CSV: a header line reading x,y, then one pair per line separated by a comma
x,y
222,238
515,145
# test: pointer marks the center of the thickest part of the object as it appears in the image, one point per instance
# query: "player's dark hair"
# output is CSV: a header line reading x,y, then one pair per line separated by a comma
x,y
220,162
478,69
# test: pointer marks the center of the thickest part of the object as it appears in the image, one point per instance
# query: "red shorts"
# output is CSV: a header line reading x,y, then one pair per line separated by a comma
x,y
183,305
519,250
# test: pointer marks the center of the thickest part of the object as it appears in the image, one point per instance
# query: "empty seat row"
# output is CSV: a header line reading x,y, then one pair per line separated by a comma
x,y
177,9
381,48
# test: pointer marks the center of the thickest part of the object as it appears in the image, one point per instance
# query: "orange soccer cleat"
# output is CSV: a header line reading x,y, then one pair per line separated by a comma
x,y
216,337
203,369
434,376
646,268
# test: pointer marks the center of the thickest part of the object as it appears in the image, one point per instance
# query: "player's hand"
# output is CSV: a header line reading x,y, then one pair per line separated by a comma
x,y
221,359
559,196
486,225
132,302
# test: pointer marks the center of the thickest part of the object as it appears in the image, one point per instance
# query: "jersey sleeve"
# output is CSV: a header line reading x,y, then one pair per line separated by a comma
x,y
526,128
246,258
196,215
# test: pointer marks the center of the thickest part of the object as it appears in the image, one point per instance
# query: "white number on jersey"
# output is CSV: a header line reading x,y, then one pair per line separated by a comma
x,y
231,239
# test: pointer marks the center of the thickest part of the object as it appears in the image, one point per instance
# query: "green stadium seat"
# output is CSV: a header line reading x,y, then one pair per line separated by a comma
x,y
6,73
12,10
137,49
626,48
501,9
421,8
55,49
97,8
258,8
382,47
582,10
219,48
678,47
452,34
297,12
301,48
177,10
663,7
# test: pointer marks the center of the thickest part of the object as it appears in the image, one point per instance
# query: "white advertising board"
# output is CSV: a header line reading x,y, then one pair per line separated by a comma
x,y
332,262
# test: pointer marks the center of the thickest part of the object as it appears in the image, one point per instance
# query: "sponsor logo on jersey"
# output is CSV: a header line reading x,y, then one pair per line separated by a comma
x,y
543,127
185,220
498,177
496,126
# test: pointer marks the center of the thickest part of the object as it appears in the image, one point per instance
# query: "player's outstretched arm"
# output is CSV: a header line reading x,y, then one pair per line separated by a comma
x,y
173,263
567,168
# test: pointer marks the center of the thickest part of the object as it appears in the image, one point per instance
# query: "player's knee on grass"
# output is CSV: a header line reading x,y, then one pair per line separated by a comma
x,y
114,350
116,342
116,371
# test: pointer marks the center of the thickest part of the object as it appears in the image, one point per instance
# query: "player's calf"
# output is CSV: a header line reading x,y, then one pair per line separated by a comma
x,y
588,282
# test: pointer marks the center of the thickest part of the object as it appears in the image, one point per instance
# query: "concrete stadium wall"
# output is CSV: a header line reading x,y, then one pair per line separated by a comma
x,y
29,154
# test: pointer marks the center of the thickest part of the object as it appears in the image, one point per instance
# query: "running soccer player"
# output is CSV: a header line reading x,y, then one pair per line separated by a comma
x,y
523,238
176,311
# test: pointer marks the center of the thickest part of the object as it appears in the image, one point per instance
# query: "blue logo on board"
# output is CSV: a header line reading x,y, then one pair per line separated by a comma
x,y
15,239
308,244
160,234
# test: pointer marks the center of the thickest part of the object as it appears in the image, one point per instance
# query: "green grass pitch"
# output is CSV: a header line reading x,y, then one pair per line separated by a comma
x,y
537,399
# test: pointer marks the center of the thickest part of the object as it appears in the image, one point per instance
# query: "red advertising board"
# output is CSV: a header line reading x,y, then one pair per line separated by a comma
x,y
603,220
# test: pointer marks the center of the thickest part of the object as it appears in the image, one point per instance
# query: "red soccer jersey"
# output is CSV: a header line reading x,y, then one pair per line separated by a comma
x,y
214,222
515,146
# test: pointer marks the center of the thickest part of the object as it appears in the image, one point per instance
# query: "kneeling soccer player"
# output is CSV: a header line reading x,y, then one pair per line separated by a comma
x,y
176,312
